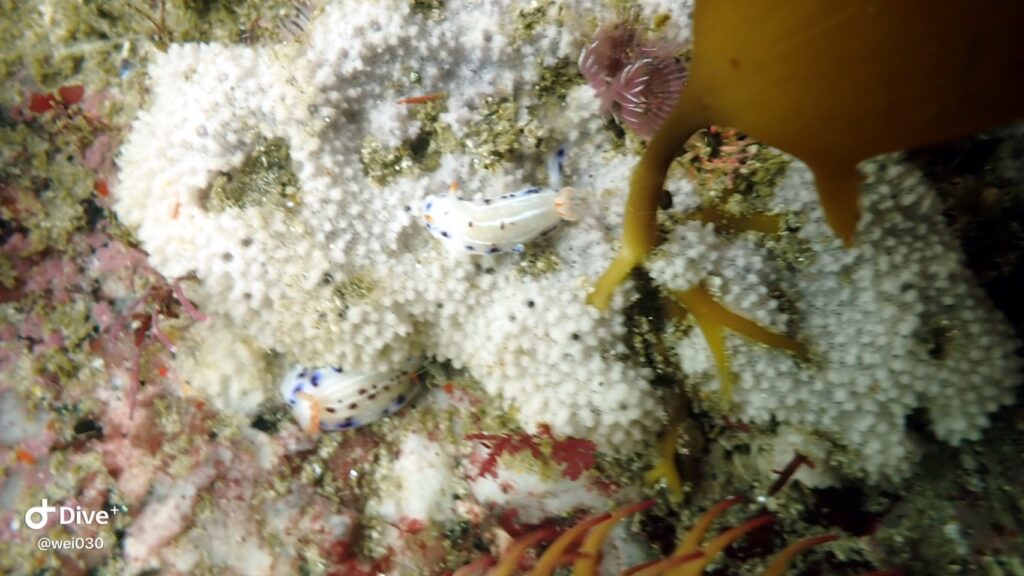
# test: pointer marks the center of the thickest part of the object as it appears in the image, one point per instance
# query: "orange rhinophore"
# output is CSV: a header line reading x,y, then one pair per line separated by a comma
x,y
315,410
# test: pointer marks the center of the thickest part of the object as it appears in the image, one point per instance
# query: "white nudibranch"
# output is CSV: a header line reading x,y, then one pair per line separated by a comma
x,y
337,399
502,224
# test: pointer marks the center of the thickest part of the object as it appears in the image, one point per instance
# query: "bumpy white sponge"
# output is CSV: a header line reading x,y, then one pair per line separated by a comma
x,y
343,272
894,324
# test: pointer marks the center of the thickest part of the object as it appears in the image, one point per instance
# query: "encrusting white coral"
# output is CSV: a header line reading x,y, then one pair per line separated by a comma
x,y
333,268
342,273
894,324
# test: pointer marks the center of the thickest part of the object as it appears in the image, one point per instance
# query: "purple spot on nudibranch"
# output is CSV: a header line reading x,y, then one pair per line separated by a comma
x,y
400,399
493,250
315,380
445,234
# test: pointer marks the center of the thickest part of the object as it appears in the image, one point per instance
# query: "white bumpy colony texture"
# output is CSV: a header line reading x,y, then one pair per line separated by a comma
x,y
893,324
288,277
277,273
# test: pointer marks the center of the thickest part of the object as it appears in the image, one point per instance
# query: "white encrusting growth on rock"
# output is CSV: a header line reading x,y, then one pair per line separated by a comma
x,y
343,273
894,324
347,275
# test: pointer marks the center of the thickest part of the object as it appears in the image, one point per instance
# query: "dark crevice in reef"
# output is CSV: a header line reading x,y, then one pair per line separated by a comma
x,y
984,205
646,323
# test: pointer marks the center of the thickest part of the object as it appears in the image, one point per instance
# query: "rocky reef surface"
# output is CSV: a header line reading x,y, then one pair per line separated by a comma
x,y
198,198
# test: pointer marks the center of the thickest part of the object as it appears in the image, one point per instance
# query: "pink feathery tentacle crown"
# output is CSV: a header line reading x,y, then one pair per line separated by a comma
x,y
637,80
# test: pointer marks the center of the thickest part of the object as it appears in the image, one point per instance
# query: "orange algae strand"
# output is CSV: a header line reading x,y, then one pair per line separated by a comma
x,y
655,567
590,550
783,559
691,542
718,543
510,560
555,553
832,86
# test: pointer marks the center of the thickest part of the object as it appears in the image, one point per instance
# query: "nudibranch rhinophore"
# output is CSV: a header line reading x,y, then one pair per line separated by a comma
x,y
336,399
502,224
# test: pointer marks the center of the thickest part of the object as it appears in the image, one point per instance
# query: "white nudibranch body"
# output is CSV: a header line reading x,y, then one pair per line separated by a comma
x,y
336,399
502,224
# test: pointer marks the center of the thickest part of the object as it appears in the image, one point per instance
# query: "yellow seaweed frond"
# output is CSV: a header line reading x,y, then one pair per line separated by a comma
x,y
665,469
713,319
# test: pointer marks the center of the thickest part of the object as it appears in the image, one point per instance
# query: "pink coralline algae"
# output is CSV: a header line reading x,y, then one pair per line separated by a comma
x,y
636,79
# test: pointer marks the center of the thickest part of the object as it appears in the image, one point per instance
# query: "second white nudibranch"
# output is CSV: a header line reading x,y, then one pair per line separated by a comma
x,y
337,399
502,224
